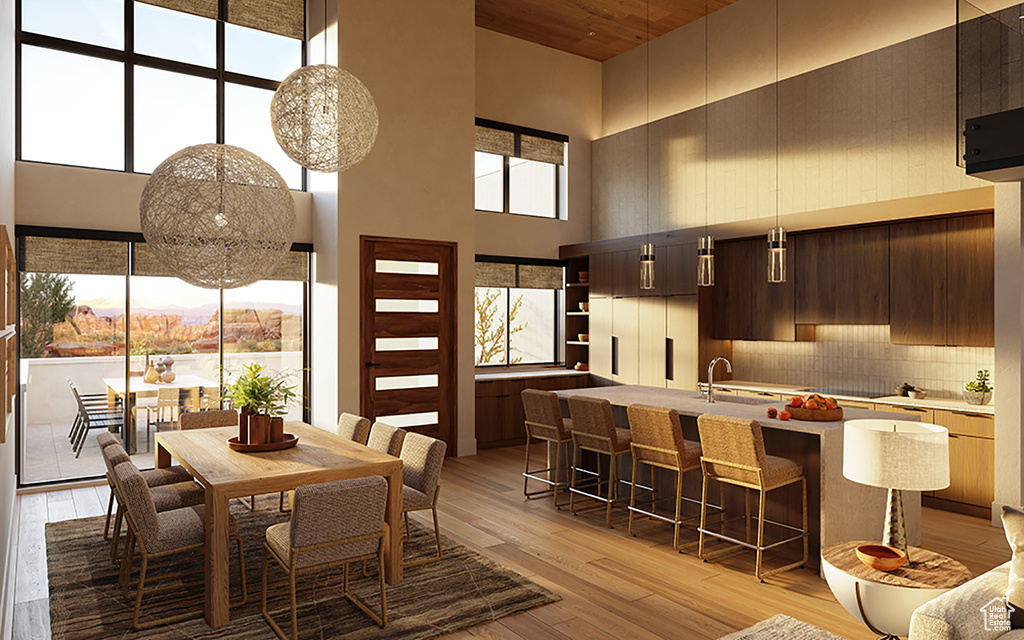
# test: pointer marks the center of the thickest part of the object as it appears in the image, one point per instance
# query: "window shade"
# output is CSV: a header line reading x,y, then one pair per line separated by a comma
x,y
295,265
518,276
283,17
75,255
517,144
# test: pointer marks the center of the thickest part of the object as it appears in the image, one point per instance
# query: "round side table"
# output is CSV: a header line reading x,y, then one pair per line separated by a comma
x,y
885,600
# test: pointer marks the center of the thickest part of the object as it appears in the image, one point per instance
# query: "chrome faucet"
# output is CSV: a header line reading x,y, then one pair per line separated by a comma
x,y
711,375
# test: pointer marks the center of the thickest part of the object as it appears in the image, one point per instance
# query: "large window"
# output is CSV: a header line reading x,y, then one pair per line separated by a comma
x,y
122,85
520,170
518,311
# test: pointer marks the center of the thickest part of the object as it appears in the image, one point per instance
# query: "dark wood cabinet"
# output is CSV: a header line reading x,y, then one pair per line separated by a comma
x,y
861,275
626,273
680,270
601,270
970,278
499,406
772,304
815,276
731,297
917,282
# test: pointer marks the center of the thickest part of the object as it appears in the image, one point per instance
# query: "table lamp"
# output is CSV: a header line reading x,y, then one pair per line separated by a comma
x,y
897,455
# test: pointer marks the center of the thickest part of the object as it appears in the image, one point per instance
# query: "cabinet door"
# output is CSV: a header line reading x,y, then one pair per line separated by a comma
x,y
680,270
971,478
681,342
970,276
925,415
966,424
510,406
815,278
772,307
731,295
917,282
625,340
862,275
601,337
626,273
601,275
488,421
652,342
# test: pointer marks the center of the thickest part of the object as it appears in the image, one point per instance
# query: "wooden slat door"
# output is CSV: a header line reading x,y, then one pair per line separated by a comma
x,y
407,335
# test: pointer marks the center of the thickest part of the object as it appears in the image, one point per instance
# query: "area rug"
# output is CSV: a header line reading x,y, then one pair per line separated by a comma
x,y
782,627
463,589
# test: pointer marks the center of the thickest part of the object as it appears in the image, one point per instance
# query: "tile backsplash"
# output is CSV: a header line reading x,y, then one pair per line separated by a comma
x,y
860,358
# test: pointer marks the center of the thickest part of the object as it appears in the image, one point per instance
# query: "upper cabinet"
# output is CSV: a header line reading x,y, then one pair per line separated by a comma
x,y
842,277
970,281
745,306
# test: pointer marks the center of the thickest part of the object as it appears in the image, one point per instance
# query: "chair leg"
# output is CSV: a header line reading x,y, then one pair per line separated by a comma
x,y
703,516
526,468
679,508
760,533
138,592
295,608
110,509
241,570
115,536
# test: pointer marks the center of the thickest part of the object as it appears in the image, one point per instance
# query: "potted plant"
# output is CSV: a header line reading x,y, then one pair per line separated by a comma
x,y
262,399
978,391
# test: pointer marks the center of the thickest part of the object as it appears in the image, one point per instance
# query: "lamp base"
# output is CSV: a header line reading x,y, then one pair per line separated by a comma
x,y
894,533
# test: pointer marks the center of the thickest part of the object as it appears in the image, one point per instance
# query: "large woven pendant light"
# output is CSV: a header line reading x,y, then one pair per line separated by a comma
x,y
217,216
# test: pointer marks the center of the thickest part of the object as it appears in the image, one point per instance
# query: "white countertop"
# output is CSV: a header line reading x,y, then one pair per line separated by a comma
x,y
515,374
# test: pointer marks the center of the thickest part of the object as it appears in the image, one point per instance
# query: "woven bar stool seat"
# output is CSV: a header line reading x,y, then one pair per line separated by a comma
x,y
658,443
734,453
544,422
594,430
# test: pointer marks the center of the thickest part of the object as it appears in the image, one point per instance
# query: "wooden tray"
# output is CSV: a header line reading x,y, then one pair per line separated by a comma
x,y
289,441
816,415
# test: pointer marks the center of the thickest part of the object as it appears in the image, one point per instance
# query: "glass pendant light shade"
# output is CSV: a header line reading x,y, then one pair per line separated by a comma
x,y
777,254
706,261
647,266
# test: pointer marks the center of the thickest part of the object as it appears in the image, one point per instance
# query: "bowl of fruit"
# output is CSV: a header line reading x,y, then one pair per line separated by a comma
x,y
814,407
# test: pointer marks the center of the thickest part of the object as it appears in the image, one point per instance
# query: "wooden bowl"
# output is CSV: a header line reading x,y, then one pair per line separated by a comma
x,y
881,557
816,415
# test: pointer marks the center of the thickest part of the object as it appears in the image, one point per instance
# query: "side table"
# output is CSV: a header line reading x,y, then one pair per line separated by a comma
x,y
885,600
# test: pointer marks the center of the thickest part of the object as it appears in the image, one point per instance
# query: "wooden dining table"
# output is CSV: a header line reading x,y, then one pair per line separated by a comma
x,y
190,388
319,456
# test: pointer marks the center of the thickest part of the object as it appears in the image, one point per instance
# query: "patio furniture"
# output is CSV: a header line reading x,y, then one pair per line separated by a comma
x,y
190,388
92,417
166,408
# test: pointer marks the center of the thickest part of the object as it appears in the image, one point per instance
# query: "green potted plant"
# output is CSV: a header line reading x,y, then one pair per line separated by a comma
x,y
978,391
261,398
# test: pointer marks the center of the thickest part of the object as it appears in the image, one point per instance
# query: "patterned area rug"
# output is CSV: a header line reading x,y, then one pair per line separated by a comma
x,y
782,627
463,589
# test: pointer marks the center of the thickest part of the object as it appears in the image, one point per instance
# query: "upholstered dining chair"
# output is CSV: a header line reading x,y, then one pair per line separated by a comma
x,y
354,428
733,453
159,534
170,488
544,422
333,523
594,430
385,438
422,458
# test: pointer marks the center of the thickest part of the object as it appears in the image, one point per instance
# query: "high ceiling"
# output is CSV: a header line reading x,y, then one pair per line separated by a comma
x,y
595,29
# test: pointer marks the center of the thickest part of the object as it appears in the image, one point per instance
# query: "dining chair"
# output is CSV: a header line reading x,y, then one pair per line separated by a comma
x,y
734,453
93,417
544,422
333,523
385,438
594,430
210,399
166,409
422,458
160,534
354,428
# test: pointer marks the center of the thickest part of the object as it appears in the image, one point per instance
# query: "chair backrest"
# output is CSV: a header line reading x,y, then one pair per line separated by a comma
x,y
385,438
106,439
334,511
138,501
422,457
206,419
734,440
593,417
544,414
352,427
656,428
114,455
211,398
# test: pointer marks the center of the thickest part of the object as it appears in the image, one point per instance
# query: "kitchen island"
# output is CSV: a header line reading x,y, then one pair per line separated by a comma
x,y
838,509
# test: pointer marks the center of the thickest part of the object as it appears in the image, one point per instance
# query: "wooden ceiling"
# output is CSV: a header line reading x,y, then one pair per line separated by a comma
x,y
595,29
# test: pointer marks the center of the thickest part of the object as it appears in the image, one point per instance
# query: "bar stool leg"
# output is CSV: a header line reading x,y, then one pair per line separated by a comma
x,y
526,469
679,506
572,481
632,497
703,516
760,533
613,486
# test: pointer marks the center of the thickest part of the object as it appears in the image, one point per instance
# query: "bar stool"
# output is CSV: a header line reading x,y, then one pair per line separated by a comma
x,y
658,443
593,429
733,453
544,422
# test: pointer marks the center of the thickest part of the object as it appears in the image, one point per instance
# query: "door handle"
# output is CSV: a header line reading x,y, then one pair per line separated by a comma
x,y
372,364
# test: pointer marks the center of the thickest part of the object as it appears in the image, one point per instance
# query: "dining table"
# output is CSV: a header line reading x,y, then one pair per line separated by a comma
x,y
319,456
190,390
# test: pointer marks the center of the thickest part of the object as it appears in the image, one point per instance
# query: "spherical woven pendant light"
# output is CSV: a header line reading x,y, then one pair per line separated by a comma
x,y
218,216
324,118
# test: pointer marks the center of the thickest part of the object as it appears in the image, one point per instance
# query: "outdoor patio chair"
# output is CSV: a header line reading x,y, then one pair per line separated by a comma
x,y
93,417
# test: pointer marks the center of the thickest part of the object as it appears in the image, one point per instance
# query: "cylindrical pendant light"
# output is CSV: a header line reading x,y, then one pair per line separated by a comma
x,y
777,234
777,254
647,248
706,261
647,266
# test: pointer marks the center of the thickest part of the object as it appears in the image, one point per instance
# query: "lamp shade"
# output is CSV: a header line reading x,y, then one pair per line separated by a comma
x,y
896,454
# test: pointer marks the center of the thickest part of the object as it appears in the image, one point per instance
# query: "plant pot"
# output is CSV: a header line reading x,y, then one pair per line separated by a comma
x,y
977,397
259,429
243,424
277,429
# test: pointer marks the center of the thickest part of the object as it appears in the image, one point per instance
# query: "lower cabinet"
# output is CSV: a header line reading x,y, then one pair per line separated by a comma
x,y
971,460
499,407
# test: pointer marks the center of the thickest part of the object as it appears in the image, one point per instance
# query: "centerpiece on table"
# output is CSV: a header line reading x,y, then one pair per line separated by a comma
x,y
261,398
978,391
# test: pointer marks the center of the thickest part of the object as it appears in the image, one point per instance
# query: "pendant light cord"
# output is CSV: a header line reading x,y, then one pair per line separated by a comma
x,y
647,158
706,114
778,119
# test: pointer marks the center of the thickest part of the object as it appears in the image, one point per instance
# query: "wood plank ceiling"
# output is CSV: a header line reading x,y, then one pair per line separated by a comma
x,y
595,29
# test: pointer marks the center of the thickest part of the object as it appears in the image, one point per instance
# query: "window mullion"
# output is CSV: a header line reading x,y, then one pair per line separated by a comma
x,y
505,182
220,71
129,87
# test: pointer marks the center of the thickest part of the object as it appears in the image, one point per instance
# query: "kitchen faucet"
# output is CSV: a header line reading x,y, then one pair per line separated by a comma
x,y
711,375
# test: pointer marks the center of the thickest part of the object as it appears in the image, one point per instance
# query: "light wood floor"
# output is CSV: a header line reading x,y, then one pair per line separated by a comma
x,y
612,585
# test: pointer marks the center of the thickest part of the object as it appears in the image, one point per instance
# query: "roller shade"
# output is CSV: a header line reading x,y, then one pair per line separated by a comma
x,y
295,265
518,142
518,276
283,17
74,255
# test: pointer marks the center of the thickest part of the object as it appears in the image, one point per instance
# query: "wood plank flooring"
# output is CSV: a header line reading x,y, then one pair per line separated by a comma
x,y
613,585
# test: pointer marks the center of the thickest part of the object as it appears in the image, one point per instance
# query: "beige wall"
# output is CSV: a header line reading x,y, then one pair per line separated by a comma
x,y
8,480
416,58
525,84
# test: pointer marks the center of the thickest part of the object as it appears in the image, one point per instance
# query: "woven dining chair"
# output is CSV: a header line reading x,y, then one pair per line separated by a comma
x,y
422,458
385,438
333,523
166,410
160,534
594,430
544,422
354,428
734,453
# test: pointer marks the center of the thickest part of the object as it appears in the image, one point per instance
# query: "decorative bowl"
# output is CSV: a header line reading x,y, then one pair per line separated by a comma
x,y
881,557
584,337
919,394
977,397
584,276
584,306
582,366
